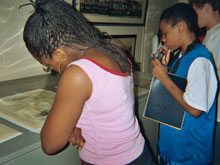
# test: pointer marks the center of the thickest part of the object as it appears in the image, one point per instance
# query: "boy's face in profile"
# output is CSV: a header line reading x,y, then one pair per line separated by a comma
x,y
170,35
202,15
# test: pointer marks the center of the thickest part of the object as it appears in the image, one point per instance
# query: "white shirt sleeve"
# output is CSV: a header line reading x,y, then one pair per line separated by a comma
x,y
201,86
211,41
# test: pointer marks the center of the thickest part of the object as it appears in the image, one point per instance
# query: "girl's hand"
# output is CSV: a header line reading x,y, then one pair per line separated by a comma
x,y
76,138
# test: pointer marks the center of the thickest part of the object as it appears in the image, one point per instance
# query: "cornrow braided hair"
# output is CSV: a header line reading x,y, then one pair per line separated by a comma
x,y
56,23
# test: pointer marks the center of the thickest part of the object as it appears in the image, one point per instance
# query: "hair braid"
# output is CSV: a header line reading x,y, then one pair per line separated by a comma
x,y
55,23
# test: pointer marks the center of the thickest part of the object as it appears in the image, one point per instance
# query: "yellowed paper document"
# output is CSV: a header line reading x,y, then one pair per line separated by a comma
x,y
7,133
28,109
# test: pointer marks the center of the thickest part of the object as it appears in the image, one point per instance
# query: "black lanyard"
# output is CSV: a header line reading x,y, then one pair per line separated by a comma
x,y
189,48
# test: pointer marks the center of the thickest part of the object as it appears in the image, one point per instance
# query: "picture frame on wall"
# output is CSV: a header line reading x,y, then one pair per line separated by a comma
x,y
128,44
131,12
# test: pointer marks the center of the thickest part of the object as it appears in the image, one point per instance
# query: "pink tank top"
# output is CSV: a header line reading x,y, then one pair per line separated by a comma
x,y
108,123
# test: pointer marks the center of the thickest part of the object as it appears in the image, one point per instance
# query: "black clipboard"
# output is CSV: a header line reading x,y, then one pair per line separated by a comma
x,y
161,106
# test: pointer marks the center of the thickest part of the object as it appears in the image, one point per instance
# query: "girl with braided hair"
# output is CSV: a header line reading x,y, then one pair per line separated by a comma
x,y
95,93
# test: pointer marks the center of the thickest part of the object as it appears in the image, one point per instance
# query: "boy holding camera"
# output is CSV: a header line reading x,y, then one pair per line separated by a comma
x,y
193,143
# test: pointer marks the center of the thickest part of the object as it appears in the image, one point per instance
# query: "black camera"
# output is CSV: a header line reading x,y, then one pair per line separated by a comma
x,y
158,55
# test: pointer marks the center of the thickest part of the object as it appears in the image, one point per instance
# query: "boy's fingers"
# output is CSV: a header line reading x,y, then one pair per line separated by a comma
x,y
156,62
168,56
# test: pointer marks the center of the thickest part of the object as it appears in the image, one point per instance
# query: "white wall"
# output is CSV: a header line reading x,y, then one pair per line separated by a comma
x,y
15,61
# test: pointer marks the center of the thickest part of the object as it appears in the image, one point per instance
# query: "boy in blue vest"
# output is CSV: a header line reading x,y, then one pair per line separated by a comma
x,y
193,144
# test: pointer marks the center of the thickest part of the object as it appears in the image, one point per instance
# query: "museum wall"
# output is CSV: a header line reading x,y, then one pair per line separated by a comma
x,y
16,61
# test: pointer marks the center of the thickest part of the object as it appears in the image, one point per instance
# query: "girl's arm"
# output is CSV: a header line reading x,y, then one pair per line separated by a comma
x,y
73,90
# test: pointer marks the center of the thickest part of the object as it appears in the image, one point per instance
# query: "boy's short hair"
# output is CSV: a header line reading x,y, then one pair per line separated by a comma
x,y
181,12
215,4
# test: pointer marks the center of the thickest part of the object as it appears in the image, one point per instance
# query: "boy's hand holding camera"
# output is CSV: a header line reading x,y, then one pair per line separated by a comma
x,y
159,63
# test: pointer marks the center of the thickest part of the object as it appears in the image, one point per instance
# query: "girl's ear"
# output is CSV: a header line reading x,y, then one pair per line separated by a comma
x,y
60,55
